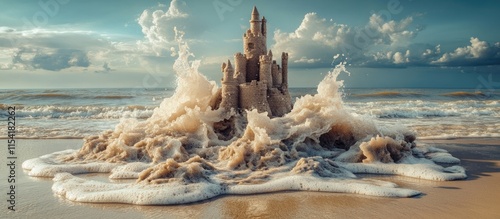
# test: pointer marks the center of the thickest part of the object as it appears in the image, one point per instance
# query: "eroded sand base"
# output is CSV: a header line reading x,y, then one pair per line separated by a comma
x,y
314,173
477,196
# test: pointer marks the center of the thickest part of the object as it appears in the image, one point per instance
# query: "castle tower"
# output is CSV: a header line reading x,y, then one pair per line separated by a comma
x,y
240,67
230,91
264,26
276,73
265,63
284,68
254,45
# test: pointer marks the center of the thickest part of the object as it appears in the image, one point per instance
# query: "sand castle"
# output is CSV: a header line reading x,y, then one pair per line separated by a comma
x,y
256,81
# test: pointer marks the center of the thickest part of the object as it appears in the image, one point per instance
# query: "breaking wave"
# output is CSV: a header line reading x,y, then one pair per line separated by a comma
x,y
187,152
427,109
83,112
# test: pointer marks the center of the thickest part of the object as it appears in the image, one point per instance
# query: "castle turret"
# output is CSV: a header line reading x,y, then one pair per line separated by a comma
x,y
276,73
228,71
230,90
264,26
240,68
265,70
284,68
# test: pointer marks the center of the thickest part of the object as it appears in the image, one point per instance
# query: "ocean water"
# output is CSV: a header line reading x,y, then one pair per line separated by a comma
x,y
76,113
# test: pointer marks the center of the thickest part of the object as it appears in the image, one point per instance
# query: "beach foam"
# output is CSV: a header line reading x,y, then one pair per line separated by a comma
x,y
187,152
82,190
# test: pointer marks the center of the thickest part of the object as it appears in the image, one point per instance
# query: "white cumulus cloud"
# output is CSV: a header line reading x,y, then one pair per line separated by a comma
x,y
304,59
158,27
320,39
379,43
477,53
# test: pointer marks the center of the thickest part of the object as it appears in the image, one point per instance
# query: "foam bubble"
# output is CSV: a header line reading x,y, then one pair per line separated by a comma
x,y
51,164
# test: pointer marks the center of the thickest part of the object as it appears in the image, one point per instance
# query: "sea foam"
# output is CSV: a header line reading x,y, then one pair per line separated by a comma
x,y
187,152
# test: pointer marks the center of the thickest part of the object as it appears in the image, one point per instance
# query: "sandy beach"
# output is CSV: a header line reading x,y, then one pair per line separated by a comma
x,y
476,197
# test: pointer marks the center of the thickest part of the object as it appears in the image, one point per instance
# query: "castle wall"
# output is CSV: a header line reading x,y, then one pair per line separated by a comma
x,y
253,95
252,70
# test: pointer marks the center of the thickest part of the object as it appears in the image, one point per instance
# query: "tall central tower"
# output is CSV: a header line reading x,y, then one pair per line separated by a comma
x,y
256,81
254,44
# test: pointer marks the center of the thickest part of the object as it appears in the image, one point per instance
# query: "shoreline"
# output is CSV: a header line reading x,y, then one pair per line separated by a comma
x,y
476,196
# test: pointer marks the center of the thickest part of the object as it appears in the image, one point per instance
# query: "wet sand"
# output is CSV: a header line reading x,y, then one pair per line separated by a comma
x,y
476,197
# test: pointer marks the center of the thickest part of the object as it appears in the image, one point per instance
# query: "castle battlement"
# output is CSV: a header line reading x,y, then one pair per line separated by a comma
x,y
265,59
256,81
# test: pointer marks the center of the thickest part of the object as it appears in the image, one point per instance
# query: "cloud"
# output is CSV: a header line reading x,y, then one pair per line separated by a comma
x,y
47,49
63,49
304,59
320,39
158,27
58,48
378,44
53,38
105,68
477,53
54,60
391,32
6,30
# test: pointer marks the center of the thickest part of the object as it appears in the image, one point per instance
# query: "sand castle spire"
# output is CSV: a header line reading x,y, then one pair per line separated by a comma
x,y
255,12
255,23
229,66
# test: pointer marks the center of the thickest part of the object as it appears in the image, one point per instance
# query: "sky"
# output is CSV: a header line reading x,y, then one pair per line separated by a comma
x,y
132,44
